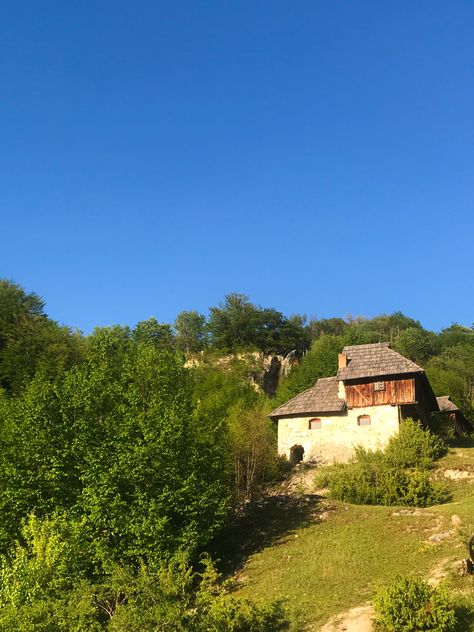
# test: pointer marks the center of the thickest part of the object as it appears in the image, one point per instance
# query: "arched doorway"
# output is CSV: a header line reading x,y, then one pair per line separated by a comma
x,y
296,454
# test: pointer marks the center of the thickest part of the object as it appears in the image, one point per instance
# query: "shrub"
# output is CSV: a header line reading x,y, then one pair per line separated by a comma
x,y
376,483
46,585
176,598
370,479
414,446
411,605
397,476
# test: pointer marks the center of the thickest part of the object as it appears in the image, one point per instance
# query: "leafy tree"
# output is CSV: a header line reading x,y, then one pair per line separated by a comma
x,y
327,326
191,331
295,335
47,585
152,332
30,341
396,476
413,446
417,344
233,323
411,605
386,327
455,335
237,323
109,346
41,580
128,450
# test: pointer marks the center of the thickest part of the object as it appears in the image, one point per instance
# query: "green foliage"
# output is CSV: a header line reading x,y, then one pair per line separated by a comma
x,y
253,449
413,446
320,361
40,580
452,373
151,332
442,428
455,335
397,476
47,584
30,341
417,344
191,331
327,327
370,480
411,605
129,450
174,597
383,328
224,382
237,323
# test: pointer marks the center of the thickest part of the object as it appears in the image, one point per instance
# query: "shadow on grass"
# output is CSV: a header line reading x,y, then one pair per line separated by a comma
x,y
465,617
263,523
465,441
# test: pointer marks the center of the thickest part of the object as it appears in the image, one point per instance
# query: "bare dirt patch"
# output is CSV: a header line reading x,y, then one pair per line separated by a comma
x,y
440,571
354,620
299,481
459,475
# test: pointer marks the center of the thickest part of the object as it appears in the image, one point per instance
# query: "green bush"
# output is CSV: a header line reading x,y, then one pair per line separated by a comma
x,y
411,605
370,480
378,478
48,585
397,476
414,446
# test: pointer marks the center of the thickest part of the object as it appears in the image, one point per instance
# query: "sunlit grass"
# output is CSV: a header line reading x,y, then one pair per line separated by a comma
x,y
323,568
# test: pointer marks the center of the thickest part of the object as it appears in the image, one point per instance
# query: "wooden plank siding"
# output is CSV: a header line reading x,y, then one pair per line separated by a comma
x,y
394,392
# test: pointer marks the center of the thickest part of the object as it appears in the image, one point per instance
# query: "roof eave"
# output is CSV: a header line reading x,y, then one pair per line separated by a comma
x,y
307,413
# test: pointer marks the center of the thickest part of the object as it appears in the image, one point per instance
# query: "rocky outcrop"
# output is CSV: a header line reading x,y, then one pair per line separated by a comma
x,y
275,368
267,370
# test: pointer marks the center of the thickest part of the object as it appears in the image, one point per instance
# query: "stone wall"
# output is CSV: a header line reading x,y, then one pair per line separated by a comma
x,y
339,433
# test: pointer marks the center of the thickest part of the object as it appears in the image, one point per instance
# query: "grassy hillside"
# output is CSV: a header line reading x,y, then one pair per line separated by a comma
x,y
333,556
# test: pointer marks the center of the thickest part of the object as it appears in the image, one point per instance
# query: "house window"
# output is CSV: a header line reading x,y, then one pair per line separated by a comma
x,y
379,386
315,424
363,420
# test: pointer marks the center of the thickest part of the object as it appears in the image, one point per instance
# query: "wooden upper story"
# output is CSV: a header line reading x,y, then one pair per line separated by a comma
x,y
380,391
368,375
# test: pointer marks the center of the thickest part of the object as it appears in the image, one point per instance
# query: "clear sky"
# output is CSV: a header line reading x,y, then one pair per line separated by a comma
x,y
317,156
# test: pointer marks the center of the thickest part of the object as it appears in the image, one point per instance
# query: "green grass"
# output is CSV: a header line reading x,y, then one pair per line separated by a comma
x,y
324,567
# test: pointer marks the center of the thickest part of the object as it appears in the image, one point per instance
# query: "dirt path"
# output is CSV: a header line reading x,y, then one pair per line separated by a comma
x,y
355,620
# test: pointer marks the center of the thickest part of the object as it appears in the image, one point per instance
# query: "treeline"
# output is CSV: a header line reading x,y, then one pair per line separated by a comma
x,y
124,453
30,341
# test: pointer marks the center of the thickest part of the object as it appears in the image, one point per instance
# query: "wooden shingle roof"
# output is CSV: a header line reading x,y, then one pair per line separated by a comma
x,y
320,398
446,405
374,360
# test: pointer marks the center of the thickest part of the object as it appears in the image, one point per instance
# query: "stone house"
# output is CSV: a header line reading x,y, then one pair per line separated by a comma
x,y
374,390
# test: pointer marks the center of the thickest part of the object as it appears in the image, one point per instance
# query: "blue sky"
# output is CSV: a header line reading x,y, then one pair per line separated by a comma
x,y
317,156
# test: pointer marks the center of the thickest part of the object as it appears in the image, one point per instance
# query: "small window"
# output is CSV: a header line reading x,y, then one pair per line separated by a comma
x,y
379,386
315,424
363,420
